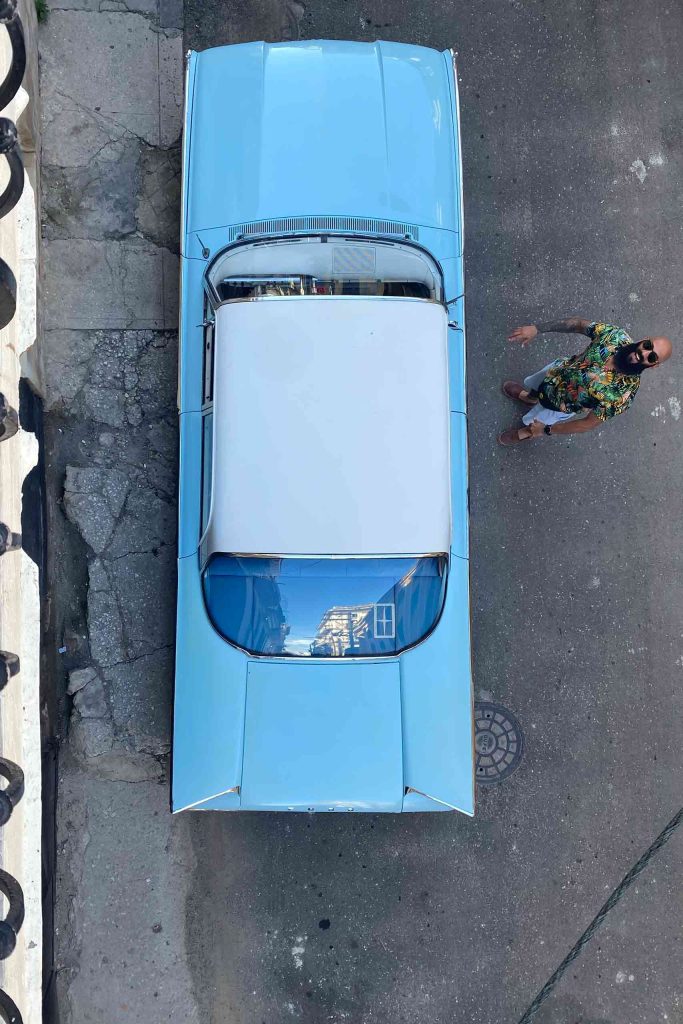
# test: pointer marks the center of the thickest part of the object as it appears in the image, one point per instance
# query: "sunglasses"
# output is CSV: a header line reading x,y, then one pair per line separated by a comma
x,y
648,347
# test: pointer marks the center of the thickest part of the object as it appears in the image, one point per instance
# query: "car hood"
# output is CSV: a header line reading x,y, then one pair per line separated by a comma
x,y
320,128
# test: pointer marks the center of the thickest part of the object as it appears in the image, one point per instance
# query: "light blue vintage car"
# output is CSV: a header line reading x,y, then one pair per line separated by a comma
x,y
323,632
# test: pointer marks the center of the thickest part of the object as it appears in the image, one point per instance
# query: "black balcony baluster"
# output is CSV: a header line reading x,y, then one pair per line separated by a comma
x,y
9,419
9,1012
9,147
13,920
8,294
13,791
9,666
9,540
9,16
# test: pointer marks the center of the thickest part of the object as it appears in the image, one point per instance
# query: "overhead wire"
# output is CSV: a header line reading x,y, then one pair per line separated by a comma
x,y
614,897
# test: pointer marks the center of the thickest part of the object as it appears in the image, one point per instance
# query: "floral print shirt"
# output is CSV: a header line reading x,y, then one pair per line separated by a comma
x,y
582,382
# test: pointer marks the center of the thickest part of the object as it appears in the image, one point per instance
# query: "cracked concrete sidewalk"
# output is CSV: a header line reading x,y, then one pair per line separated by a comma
x,y
111,169
111,78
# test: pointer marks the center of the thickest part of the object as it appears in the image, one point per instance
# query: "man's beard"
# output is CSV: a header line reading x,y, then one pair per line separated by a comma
x,y
622,364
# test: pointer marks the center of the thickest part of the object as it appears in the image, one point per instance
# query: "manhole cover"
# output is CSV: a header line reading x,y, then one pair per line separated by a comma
x,y
498,742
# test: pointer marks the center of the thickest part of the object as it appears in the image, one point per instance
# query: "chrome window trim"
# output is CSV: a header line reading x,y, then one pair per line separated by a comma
x,y
374,298
461,206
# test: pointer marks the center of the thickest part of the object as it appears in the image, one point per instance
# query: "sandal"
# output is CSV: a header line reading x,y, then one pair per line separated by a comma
x,y
511,436
511,389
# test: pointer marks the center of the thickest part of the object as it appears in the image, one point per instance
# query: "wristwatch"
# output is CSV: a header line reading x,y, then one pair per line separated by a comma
x,y
547,429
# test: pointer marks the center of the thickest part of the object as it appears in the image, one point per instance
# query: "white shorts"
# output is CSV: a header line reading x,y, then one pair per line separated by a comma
x,y
538,411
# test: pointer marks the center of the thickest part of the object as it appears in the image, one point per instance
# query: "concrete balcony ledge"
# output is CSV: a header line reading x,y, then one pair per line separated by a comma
x,y
20,741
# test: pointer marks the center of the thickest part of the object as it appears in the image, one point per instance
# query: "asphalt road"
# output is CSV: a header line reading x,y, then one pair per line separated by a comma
x,y
571,118
572,121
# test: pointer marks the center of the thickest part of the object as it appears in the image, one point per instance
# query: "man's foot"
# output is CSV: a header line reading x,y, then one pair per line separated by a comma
x,y
515,391
513,435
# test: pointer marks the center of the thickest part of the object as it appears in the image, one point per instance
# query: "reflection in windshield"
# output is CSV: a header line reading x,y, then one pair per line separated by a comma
x,y
233,288
324,607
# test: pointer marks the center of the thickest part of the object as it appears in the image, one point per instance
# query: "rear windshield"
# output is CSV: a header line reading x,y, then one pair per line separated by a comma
x,y
324,607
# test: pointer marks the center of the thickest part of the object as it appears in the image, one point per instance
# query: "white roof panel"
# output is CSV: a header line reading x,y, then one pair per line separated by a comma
x,y
331,427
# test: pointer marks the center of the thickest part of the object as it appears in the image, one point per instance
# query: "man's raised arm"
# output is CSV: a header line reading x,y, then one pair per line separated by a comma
x,y
572,325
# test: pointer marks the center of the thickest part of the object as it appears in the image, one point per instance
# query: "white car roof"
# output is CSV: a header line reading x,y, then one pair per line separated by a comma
x,y
331,427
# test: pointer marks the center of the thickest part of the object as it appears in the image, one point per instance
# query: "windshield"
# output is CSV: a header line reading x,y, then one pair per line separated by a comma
x,y
324,607
323,265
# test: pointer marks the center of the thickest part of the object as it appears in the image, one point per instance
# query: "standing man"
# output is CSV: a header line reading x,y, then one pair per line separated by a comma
x,y
602,380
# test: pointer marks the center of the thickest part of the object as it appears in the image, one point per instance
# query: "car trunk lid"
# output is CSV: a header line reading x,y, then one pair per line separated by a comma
x,y
323,737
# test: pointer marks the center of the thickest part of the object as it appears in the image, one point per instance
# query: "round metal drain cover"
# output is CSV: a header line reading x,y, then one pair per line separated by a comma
x,y
498,742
